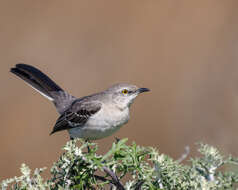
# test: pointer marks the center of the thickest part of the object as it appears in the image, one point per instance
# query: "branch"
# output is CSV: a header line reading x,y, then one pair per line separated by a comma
x,y
115,179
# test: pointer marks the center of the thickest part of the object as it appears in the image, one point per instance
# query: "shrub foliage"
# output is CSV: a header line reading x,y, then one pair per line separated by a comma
x,y
129,167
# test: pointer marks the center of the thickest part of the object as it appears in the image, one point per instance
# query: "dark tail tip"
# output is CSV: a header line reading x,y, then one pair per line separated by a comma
x,y
19,66
13,70
19,72
25,66
32,73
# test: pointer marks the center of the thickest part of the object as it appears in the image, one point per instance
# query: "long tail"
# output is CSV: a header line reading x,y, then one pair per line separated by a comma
x,y
44,85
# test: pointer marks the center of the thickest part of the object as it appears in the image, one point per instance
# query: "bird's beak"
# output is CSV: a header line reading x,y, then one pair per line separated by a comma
x,y
140,90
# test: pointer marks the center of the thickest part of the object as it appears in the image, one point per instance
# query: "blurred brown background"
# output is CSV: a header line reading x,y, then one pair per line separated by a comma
x,y
186,52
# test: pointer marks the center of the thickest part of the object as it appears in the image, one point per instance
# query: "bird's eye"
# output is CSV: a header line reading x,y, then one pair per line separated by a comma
x,y
125,91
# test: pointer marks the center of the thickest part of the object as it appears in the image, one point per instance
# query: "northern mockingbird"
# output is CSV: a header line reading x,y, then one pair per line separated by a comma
x,y
91,117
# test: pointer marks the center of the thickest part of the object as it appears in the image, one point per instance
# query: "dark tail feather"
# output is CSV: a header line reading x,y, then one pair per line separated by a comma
x,y
44,85
36,79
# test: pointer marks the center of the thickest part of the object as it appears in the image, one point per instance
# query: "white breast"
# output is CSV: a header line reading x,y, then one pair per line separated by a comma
x,y
104,123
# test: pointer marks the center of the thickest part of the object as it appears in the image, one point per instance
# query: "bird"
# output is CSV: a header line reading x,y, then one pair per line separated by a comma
x,y
90,117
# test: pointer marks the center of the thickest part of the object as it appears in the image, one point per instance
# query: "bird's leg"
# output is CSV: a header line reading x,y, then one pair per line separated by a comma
x,y
117,139
87,141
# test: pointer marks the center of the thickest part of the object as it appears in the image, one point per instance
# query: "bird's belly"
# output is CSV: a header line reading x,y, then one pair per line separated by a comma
x,y
98,127
92,133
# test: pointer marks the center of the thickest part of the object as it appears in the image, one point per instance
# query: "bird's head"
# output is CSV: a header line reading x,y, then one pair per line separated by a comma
x,y
124,94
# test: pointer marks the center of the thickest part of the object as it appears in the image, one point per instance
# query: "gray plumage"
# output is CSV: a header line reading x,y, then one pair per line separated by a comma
x,y
90,117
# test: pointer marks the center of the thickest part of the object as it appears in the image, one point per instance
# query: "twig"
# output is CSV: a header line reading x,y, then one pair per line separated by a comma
x,y
139,184
185,154
115,179
102,178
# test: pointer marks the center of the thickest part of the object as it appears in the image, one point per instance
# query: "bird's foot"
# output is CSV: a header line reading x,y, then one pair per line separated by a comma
x,y
117,139
87,141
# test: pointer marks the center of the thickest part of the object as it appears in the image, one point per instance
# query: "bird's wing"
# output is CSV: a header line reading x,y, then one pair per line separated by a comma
x,y
77,115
